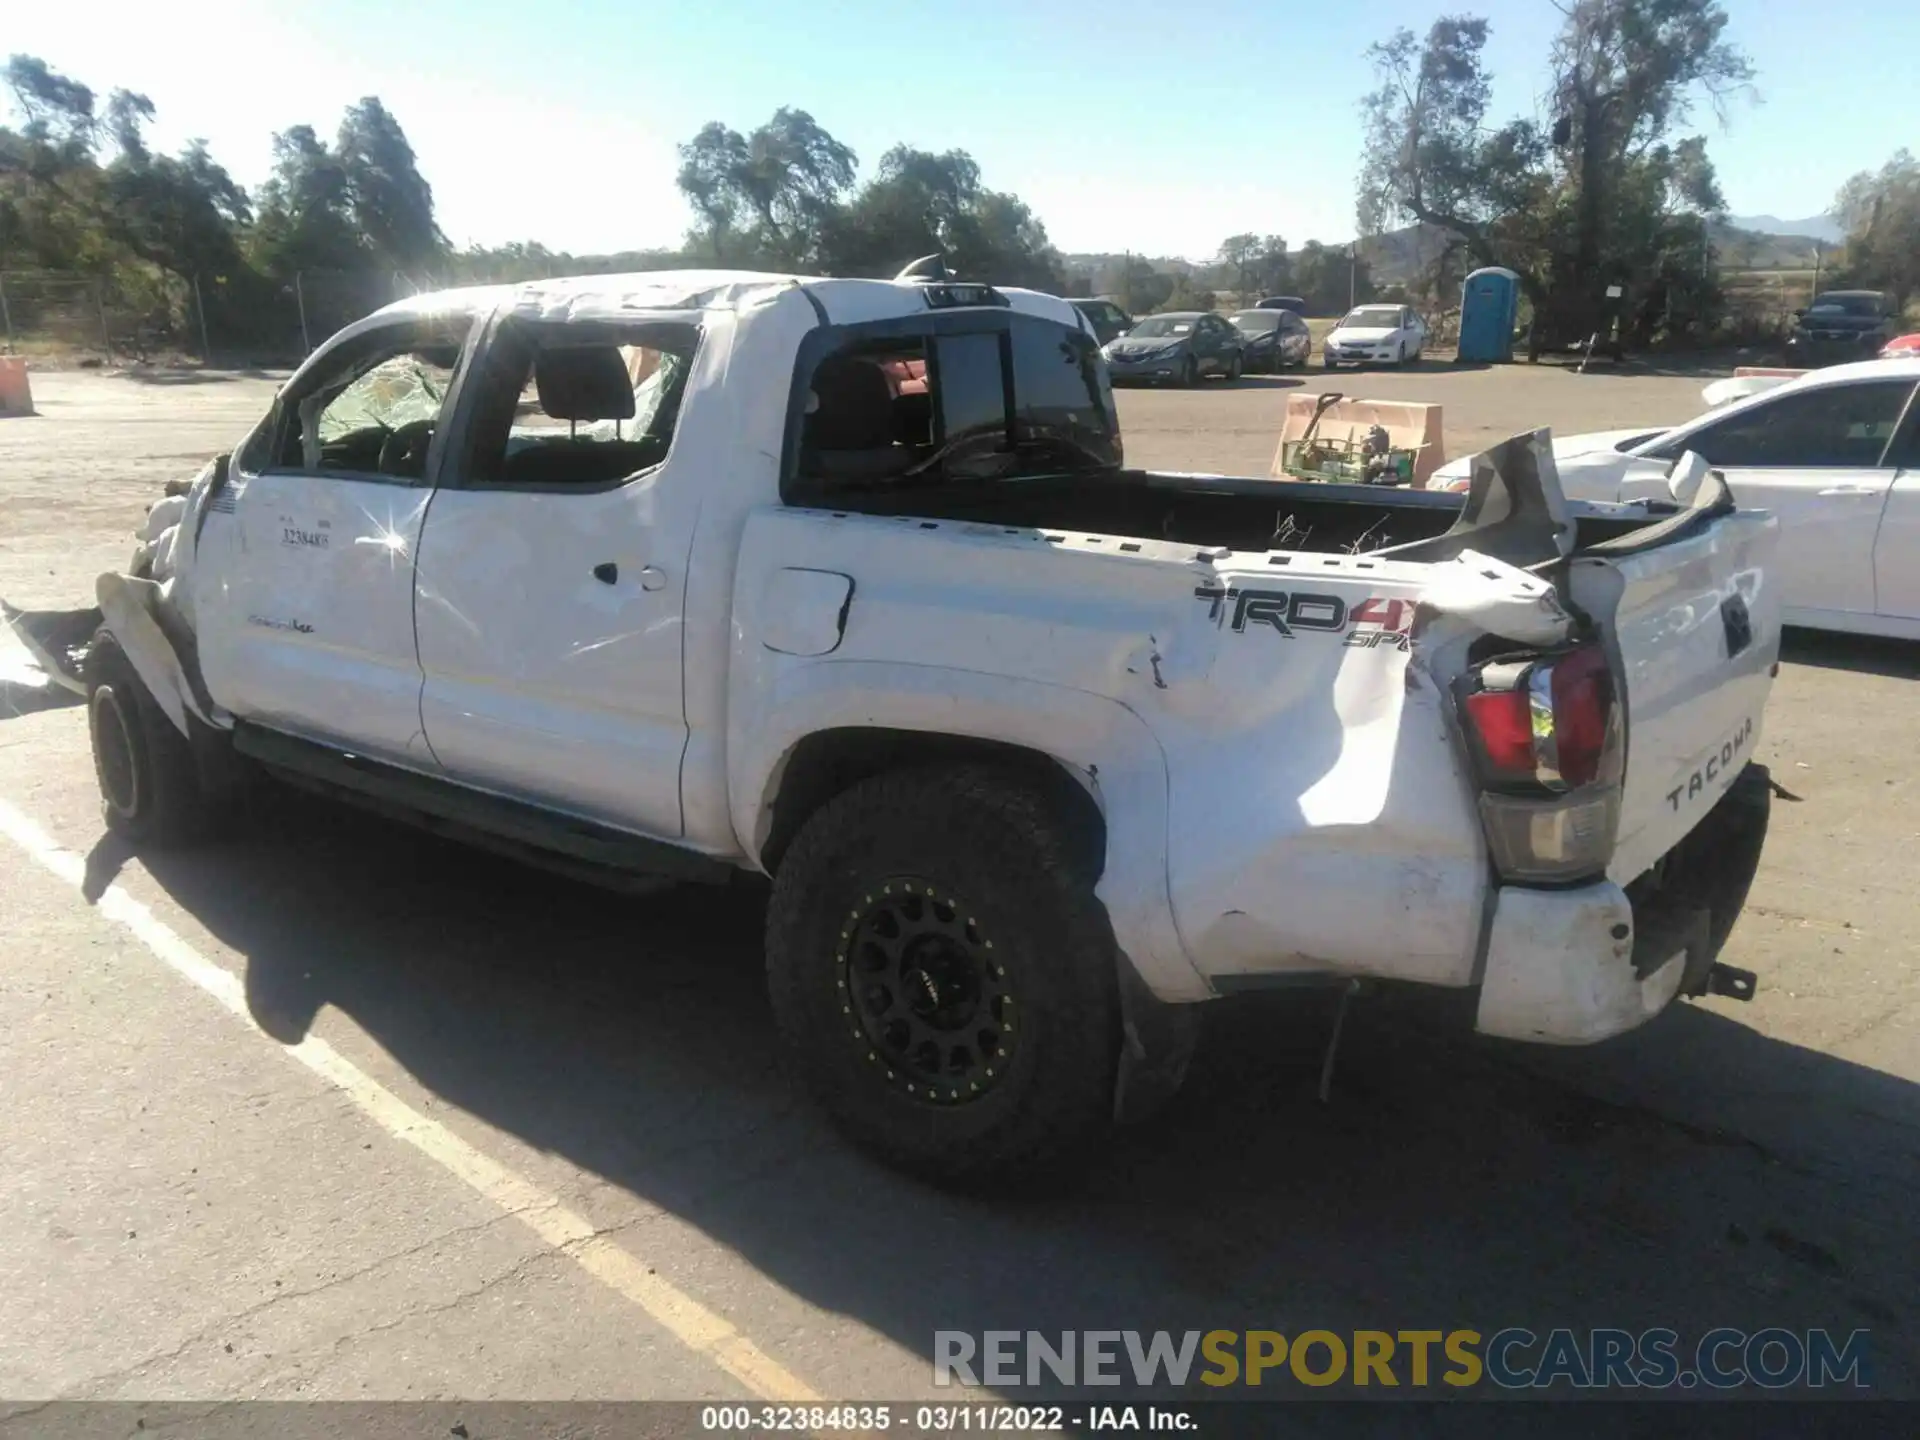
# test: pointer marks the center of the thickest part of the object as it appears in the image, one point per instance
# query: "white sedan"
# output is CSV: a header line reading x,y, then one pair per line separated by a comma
x,y
1835,454
1375,335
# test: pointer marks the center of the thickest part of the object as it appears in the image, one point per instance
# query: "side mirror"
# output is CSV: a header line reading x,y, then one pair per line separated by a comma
x,y
1800,314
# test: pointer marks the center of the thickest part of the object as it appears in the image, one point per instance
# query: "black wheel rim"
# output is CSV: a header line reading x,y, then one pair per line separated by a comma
x,y
113,753
926,999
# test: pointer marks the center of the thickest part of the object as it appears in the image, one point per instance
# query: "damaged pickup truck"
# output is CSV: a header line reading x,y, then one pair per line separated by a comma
x,y
845,582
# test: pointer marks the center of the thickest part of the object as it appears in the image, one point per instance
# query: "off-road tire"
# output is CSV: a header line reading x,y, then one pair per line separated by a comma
x,y
1013,866
150,791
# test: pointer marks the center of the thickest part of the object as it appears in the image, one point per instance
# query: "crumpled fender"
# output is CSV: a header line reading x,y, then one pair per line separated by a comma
x,y
128,607
1499,598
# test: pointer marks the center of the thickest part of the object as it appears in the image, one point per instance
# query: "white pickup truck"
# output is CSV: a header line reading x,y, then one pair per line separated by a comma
x,y
845,582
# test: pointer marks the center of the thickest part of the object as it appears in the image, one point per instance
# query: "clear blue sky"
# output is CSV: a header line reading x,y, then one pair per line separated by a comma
x,y
1158,127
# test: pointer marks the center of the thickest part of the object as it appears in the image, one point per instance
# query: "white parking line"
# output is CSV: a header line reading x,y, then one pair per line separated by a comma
x,y
569,1233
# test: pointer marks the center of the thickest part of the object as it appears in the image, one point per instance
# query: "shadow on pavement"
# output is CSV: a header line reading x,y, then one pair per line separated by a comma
x,y
1693,1175
1287,380
29,697
174,376
1863,654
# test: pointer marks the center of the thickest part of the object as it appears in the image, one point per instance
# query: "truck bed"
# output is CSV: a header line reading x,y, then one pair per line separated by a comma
x,y
1236,512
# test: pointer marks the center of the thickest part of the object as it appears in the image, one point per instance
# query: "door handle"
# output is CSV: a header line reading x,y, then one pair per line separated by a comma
x,y
1850,490
606,572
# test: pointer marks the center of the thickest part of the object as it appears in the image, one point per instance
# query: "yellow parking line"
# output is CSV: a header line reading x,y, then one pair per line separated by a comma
x,y
565,1230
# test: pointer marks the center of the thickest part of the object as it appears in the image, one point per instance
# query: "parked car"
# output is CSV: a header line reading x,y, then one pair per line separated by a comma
x,y
1275,339
1032,774
1375,334
1109,321
1177,348
1841,325
1834,453
1283,302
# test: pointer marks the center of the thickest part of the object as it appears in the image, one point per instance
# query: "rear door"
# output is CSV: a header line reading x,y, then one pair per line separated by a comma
x,y
314,633
1819,459
1295,337
1220,341
553,574
1896,547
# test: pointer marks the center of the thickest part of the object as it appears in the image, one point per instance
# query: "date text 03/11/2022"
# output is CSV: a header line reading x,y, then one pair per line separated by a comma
x,y
943,1419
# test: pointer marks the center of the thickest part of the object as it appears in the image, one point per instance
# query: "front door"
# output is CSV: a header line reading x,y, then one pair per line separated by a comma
x,y
323,514
553,574
1816,458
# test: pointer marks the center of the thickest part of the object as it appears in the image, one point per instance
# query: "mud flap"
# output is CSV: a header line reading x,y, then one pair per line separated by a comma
x,y
1157,1041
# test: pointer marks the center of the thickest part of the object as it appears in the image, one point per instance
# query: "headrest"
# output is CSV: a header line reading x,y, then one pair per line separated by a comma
x,y
587,382
856,406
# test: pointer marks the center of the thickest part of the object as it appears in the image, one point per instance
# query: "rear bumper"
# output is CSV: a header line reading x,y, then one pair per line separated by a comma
x,y
1570,967
1560,968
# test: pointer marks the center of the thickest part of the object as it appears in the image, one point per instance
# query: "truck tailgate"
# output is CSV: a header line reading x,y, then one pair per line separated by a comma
x,y
1695,623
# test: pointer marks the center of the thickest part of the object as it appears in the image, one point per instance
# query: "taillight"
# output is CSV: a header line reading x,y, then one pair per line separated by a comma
x,y
1579,694
1545,741
1503,724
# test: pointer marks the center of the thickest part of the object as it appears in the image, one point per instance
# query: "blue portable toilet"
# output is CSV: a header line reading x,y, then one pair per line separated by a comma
x,y
1489,305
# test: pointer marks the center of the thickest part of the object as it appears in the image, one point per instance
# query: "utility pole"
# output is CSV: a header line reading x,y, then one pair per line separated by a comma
x,y
6,315
300,299
1353,274
1816,273
206,343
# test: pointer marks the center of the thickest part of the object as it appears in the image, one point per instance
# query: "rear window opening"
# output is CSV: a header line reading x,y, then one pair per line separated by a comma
x,y
900,415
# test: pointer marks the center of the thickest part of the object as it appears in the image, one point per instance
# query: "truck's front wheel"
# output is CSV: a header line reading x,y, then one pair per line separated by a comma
x,y
149,785
944,977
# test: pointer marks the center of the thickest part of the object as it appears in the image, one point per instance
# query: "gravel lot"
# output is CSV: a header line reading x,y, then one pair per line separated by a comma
x,y
191,1213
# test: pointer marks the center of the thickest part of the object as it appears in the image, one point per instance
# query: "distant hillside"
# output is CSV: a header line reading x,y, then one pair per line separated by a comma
x,y
1740,248
1398,256
1092,265
1818,227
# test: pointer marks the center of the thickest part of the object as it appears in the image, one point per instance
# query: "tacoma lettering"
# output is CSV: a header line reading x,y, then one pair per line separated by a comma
x,y
1717,765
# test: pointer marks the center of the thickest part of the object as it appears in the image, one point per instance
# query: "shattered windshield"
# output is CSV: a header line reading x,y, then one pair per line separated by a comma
x,y
396,392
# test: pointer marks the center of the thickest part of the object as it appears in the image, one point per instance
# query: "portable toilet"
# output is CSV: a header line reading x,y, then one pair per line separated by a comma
x,y
1489,305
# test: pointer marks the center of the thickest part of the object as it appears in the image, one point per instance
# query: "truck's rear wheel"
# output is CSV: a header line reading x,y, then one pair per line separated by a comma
x,y
149,785
944,977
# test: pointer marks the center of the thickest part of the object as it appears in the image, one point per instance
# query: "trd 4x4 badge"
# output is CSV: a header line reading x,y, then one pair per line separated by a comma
x,y
1373,622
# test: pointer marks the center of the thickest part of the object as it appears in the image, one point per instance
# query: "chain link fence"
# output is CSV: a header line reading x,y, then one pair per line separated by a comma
x,y
238,321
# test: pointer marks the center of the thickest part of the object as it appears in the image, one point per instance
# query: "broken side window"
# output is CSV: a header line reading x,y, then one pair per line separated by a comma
x,y
570,406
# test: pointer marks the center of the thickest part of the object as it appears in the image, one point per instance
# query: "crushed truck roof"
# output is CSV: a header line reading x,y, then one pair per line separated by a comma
x,y
616,297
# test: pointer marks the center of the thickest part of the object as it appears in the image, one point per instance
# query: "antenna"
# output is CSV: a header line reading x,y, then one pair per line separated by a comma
x,y
928,269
